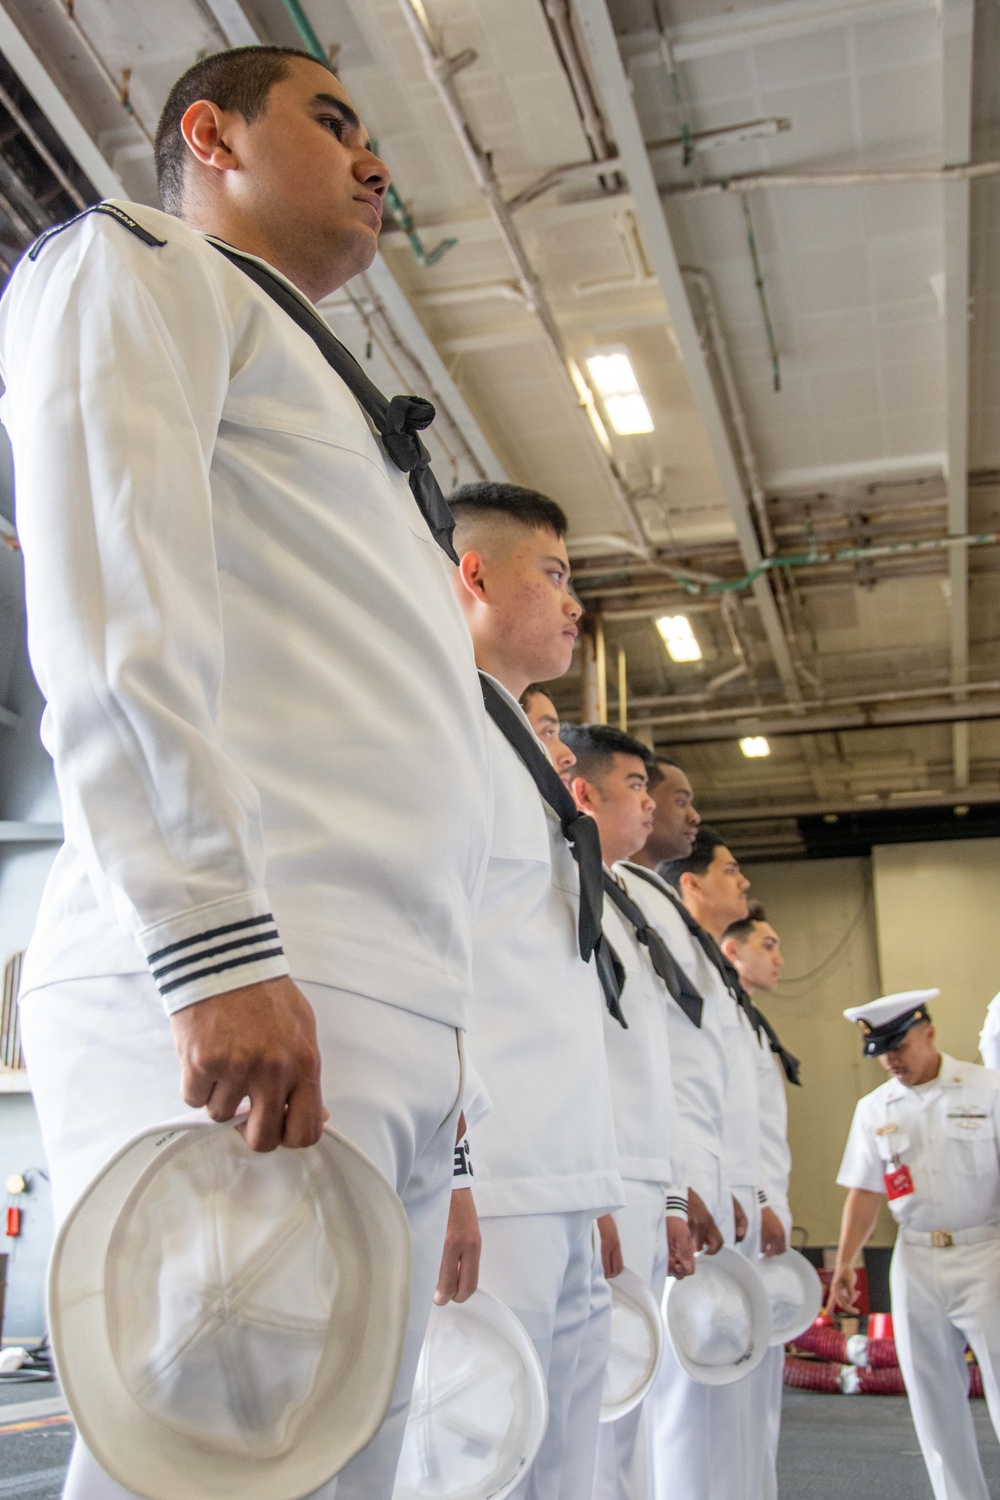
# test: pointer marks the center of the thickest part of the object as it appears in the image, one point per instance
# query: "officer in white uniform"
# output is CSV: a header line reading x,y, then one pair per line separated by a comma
x,y
610,782
989,1037
234,600
544,1160
754,949
928,1140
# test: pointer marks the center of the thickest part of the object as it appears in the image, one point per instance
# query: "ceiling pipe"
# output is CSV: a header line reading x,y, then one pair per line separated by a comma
x,y
442,72
696,729
752,183
851,700
558,13
700,140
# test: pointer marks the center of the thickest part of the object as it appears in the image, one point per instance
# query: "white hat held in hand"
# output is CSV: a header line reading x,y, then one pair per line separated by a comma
x,y
718,1320
479,1409
636,1346
795,1293
229,1324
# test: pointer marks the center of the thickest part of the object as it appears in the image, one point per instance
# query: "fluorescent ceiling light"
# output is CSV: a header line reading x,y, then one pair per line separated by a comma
x,y
614,377
679,638
628,415
754,746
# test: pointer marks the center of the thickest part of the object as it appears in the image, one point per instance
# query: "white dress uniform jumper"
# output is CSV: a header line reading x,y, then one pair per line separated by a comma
x,y
234,601
653,1171
544,1159
935,1148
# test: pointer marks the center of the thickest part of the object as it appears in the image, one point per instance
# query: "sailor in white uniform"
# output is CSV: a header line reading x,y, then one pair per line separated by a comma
x,y
928,1140
754,949
695,1434
713,890
544,1160
610,782
234,600
989,1037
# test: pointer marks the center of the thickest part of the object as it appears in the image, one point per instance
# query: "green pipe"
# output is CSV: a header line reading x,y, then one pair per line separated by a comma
x,y
401,213
845,554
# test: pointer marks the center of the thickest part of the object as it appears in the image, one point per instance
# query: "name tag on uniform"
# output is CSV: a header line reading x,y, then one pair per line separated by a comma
x,y
898,1183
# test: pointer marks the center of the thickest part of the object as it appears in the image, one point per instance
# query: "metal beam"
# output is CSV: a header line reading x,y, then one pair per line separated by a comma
x,y
957,23
50,100
760,812
233,22
31,833
615,91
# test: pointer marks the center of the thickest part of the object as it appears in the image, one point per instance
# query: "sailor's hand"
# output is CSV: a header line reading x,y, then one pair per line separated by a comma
x,y
773,1240
258,1042
611,1246
463,1243
680,1248
704,1231
740,1220
843,1292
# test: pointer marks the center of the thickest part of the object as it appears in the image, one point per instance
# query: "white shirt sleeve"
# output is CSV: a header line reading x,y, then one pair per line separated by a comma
x,y
116,355
989,1037
862,1167
775,1156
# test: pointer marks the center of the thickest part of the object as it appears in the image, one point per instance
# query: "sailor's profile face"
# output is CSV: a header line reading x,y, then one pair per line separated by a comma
x,y
309,151
299,179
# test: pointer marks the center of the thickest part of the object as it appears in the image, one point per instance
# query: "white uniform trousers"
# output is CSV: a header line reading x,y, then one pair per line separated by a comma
x,y
941,1301
103,1066
695,1434
623,1463
754,1391
541,1266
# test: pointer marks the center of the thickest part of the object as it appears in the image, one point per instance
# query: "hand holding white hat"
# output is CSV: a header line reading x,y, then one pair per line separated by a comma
x,y
258,1042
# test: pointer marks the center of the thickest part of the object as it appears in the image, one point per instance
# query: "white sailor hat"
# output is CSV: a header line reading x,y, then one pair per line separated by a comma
x,y
794,1291
718,1320
636,1345
479,1408
228,1323
885,1022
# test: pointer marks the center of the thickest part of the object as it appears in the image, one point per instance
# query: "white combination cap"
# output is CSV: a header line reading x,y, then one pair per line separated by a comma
x,y
636,1345
886,1021
718,1320
479,1408
794,1291
227,1322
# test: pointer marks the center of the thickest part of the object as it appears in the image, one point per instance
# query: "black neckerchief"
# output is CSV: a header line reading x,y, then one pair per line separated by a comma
x,y
398,421
678,985
580,832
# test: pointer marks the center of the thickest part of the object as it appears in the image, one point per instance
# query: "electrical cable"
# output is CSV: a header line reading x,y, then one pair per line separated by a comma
x,y
841,944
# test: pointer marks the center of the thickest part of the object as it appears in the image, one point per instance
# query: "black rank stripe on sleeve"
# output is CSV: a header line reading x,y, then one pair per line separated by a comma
x,y
258,940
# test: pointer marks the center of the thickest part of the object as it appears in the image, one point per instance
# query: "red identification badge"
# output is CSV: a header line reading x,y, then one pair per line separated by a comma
x,y
898,1183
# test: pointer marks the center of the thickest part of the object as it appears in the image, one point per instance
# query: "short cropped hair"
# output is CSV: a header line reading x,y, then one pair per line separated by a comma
x,y
596,745
706,841
239,79
741,929
532,691
491,501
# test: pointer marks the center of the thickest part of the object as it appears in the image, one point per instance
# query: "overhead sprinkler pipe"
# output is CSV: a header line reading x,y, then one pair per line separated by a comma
x,y
820,555
400,212
752,183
